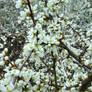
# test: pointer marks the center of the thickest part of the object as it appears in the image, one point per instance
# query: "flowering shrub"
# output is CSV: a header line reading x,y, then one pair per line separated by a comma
x,y
57,53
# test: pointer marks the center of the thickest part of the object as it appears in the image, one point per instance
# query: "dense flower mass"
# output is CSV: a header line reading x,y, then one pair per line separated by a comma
x,y
57,54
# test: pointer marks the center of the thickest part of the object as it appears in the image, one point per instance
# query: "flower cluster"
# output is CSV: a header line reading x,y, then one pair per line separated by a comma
x,y
4,57
57,54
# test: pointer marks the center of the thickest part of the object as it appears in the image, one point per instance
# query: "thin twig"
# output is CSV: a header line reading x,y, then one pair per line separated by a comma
x,y
51,84
84,66
48,68
21,66
70,51
26,59
54,72
68,88
31,13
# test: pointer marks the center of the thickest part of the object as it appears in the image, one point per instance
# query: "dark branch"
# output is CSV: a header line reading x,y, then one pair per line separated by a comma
x,y
31,13
54,72
76,57
85,84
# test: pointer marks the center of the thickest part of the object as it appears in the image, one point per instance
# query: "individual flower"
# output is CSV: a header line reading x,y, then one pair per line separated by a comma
x,y
18,3
2,63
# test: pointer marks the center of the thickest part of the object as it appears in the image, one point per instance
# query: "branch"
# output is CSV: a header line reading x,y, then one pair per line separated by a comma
x,y
48,68
46,1
76,57
85,84
70,52
31,13
51,84
84,66
21,66
26,59
55,77
54,72
87,81
68,88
